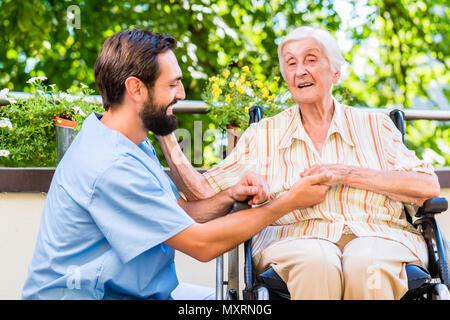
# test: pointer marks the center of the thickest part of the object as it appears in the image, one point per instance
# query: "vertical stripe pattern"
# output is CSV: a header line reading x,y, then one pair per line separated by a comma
x,y
279,148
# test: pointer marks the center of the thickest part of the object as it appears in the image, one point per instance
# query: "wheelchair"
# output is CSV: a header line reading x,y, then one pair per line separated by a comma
x,y
430,284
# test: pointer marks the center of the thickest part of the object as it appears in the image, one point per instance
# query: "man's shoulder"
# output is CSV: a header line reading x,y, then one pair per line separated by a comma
x,y
91,157
88,152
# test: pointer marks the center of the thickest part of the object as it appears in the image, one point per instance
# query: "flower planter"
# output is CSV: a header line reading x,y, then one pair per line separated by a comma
x,y
65,133
233,135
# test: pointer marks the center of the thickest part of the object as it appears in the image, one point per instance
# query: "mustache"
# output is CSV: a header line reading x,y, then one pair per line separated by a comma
x,y
174,101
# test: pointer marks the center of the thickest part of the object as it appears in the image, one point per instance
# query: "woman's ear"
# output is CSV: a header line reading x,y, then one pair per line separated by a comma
x,y
336,76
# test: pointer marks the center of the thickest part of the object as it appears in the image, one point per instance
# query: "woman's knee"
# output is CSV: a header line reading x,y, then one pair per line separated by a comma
x,y
359,263
319,261
317,274
368,274
325,255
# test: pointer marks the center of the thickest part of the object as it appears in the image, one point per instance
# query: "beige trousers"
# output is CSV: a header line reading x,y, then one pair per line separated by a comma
x,y
353,268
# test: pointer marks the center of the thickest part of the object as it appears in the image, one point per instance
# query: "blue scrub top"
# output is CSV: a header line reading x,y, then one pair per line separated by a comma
x,y
109,209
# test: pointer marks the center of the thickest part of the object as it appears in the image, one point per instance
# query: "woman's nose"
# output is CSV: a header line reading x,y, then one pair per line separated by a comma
x,y
300,71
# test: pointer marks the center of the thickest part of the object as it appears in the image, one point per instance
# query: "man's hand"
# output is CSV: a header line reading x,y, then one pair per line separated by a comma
x,y
310,190
252,187
339,172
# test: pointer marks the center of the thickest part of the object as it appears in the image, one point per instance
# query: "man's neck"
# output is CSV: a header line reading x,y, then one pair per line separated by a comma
x,y
125,121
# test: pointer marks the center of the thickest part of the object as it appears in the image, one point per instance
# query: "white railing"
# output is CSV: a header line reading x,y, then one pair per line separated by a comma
x,y
198,106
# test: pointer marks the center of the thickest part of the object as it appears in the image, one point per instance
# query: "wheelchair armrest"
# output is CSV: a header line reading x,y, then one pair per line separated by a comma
x,y
240,205
438,251
432,206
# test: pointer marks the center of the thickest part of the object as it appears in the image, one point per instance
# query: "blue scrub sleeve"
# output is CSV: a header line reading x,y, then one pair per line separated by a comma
x,y
133,210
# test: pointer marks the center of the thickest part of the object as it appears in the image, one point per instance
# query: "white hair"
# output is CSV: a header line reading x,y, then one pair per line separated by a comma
x,y
325,38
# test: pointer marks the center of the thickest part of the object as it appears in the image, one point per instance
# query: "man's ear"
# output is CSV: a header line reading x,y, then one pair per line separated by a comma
x,y
136,89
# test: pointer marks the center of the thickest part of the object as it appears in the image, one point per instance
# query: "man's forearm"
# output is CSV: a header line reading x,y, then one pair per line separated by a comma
x,y
205,210
206,241
398,185
193,184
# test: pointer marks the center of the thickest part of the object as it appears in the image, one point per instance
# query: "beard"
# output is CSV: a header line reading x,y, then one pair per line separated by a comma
x,y
154,118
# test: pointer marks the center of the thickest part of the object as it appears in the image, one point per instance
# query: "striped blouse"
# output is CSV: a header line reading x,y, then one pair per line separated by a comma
x,y
278,148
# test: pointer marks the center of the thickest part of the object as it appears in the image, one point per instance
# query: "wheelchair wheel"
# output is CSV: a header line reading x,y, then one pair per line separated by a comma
x,y
441,292
261,293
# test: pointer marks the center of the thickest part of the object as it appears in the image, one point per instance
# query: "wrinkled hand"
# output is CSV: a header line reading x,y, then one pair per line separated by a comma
x,y
338,172
310,190
252,187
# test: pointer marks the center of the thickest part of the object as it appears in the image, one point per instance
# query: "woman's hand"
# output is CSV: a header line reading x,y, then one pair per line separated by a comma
x,y
339,172
404,186
252,187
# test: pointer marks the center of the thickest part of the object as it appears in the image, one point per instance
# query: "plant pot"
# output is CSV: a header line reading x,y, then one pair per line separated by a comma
x,y
233,135
65,133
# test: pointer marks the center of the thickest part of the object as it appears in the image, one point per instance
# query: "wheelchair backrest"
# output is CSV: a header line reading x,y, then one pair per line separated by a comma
x,y
397,116
257,112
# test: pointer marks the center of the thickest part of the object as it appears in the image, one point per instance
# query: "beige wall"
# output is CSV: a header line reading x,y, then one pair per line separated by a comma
x,y
20,215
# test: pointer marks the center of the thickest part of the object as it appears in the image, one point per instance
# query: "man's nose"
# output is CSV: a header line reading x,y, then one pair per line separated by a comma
x,y
180,95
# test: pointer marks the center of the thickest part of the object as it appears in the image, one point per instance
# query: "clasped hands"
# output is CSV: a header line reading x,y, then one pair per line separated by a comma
x,y
311,188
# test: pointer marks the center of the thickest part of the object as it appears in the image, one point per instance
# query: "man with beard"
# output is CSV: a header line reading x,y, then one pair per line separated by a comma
x,y
112,217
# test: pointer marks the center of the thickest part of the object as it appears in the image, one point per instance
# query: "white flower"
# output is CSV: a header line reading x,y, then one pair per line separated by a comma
x,y
79,111
4,153
83,85
5,122
34,79
3,93
66,96
41,92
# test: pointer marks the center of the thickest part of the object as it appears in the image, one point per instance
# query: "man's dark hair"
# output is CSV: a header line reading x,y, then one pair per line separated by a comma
x,y
129,53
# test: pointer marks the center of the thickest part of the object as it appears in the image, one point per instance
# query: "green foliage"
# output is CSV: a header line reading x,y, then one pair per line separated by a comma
x,y
399,57
230,94
29,139
404,52
38,40
397,50
426,137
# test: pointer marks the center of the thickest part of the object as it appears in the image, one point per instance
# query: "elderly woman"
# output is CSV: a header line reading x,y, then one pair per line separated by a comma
x,y
356,243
